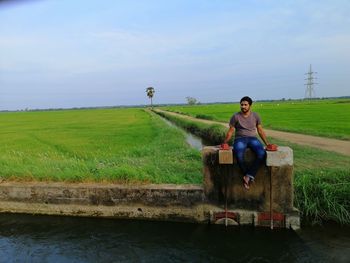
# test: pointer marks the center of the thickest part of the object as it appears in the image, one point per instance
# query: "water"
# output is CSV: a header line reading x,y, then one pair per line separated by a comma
x,y
193,140
25,238
330,241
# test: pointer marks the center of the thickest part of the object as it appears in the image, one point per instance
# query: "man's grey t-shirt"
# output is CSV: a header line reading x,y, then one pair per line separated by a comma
x,y
245,126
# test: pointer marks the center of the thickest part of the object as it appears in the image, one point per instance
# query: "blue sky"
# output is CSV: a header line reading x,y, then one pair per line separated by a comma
x,y
61,53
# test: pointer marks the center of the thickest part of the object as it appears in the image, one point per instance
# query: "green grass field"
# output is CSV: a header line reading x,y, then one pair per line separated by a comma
x,y
114,145
328,118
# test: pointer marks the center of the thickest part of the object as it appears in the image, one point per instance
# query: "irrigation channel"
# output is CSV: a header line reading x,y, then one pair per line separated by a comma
x,y
193,140
27,238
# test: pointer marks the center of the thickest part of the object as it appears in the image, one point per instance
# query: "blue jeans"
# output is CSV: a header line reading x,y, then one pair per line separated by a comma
x,y
240,145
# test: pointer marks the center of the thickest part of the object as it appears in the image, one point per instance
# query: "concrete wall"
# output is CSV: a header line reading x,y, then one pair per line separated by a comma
x,y
102,194
185,203
278,168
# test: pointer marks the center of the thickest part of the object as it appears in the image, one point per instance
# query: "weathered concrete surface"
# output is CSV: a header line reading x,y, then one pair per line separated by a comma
x,y
252,217
258,196
283,156
167,202
201,213
196,214
181,203
102,194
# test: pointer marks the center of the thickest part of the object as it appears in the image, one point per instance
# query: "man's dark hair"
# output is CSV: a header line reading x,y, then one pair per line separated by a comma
x,y
246,98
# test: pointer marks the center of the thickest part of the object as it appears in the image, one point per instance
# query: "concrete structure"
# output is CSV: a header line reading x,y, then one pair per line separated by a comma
x,y
182,203
270,196
156,202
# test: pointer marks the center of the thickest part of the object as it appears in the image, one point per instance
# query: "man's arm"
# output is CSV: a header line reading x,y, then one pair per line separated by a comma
x,y
262,134
229,134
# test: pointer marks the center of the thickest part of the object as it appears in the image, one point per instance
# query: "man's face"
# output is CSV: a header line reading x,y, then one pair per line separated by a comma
x,y
245,107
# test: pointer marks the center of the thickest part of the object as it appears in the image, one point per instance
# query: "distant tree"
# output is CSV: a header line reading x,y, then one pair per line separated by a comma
x,y
191,100
150,92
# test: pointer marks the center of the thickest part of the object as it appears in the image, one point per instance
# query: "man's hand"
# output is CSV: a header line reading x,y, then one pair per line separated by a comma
x,y
271,147
224,146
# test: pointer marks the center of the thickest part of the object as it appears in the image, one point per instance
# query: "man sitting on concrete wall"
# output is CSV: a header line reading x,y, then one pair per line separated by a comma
x,y
246,123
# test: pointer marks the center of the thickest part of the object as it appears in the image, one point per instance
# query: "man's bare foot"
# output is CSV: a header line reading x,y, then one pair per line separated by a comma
x,y
246,180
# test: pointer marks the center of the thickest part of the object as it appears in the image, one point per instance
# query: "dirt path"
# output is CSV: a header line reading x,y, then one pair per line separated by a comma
x,y
334,145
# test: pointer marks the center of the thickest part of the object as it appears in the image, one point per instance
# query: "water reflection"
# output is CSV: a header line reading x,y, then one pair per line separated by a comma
x,y
25,238
331,241
66,239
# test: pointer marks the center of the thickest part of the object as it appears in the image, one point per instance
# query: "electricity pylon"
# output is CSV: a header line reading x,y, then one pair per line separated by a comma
x,y
310,92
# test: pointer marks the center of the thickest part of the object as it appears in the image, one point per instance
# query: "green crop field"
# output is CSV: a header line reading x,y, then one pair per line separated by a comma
x,y
328,118
118,145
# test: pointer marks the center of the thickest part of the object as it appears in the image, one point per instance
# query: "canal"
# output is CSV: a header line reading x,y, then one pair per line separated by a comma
x,y
191,139
26,238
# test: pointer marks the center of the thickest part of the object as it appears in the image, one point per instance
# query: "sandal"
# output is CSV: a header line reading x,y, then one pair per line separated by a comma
x,y
246,180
